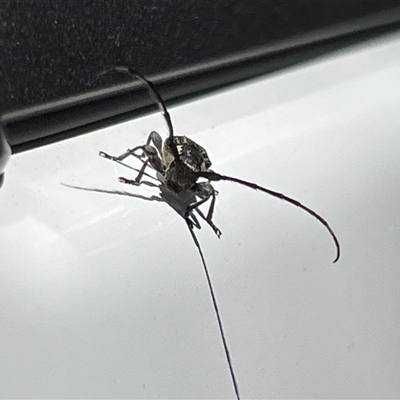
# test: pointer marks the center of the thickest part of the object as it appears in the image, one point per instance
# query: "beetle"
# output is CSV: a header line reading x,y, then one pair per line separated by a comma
x,y
179,163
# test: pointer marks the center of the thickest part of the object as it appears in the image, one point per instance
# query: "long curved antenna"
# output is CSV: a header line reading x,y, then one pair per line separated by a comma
x,y
215,304
213,176
155,95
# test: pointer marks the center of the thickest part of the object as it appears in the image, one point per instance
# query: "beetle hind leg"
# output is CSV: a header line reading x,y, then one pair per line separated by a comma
x,y
205,191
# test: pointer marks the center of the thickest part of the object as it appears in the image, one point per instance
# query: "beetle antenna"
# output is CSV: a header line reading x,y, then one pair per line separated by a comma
x,y
213,176
216,308
155,95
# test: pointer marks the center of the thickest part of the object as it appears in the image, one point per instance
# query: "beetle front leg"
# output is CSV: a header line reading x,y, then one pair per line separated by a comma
x,y
139,177
129,152
152,156
153,137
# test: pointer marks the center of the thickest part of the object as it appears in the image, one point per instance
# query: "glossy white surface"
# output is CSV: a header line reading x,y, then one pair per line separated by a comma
x,y
104,295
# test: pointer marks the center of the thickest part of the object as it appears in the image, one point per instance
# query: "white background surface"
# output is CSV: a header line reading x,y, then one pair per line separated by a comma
x,y
104,295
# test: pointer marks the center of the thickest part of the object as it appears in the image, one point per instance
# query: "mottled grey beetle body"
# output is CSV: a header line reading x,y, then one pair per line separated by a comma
x,y
191,154
192,158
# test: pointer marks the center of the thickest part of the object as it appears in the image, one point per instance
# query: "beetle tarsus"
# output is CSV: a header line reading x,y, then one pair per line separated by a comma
x,y
133,182
105,155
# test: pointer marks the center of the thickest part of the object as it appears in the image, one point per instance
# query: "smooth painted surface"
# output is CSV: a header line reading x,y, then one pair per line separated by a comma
x,y
104,295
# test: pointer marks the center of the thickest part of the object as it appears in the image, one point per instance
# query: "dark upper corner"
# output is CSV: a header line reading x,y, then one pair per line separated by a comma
x,y
53,49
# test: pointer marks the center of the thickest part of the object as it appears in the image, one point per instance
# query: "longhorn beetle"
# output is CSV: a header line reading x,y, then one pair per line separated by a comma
x,y
180,163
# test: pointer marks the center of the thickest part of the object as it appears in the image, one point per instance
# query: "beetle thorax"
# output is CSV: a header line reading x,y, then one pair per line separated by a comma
x,y
181,174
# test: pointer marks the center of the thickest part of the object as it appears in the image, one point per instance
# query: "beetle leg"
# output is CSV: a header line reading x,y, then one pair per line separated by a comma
x,y
151,155
211,212
205,191
152,158
129,152
139,177
155,138
147,150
